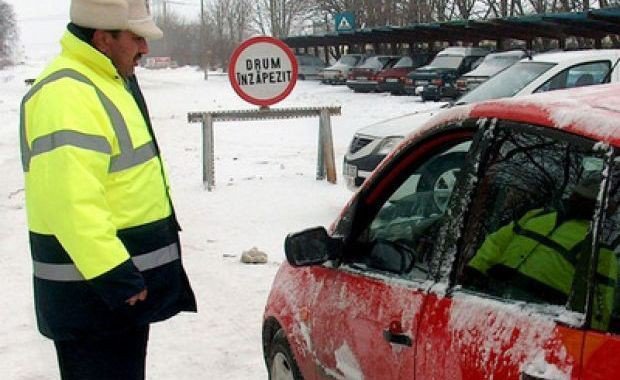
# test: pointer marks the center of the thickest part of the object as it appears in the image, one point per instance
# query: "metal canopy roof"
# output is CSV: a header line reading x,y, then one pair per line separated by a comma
x,y
595,24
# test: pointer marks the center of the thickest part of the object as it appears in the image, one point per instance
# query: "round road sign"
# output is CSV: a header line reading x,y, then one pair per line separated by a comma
x,y
263,70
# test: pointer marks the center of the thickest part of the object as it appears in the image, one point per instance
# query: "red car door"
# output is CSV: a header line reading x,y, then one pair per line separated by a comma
x,y
364,318
516,255
352,317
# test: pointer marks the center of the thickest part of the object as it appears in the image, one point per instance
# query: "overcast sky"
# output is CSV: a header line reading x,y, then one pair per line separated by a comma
x,y
42,22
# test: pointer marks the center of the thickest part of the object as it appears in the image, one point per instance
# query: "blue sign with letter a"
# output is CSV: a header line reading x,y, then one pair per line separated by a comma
x,y
345,21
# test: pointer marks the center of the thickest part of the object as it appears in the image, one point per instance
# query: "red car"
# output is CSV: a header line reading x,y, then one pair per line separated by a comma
x,y
392,79
402,286
363,78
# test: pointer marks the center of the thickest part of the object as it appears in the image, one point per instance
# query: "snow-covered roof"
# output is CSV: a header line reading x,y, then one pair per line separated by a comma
x,y
566,56
592,111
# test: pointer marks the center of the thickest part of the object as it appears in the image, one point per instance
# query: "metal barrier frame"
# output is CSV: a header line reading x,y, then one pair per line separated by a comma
x,y
325,154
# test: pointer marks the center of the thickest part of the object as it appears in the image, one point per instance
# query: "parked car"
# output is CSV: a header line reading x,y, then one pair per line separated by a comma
x,y
309,66
339,71
385,293
437,80
393,79
490,65
363,78
543,72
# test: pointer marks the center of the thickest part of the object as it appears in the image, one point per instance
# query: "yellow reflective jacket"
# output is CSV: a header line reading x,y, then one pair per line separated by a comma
x,y
100,218
540,256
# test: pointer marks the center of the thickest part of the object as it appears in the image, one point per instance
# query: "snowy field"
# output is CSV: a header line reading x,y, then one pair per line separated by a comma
x,y
265,188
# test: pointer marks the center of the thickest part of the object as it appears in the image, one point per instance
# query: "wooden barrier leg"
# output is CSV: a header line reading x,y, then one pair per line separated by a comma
x,y
208,155
320,163
328,145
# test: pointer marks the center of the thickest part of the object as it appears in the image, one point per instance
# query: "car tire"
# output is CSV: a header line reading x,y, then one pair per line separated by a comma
x,y
440,176
301,77
281,363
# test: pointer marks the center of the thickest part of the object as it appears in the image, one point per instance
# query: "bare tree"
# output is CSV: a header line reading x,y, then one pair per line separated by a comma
x,y
180,40
229,22
8,33
465,8
278,17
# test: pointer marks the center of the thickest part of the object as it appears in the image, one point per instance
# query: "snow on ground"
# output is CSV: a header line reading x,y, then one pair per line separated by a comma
x,y
265,188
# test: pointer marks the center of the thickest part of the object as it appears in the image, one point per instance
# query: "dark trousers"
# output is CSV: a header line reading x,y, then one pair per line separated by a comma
x,y
116,357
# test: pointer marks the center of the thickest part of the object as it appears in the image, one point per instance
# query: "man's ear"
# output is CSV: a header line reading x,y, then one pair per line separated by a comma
x,y
101,40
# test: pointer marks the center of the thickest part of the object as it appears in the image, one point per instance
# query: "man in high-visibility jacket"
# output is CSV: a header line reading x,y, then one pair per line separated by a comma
x,y
545,254
103,232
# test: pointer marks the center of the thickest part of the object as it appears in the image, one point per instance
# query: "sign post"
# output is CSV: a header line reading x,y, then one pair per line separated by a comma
x,y
263,71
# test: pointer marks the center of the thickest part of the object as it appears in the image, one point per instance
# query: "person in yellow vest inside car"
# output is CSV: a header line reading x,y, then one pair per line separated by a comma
x,y
104,236
545,254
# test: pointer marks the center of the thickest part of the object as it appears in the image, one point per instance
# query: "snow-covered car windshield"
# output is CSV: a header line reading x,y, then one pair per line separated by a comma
x,y
447,61
507,83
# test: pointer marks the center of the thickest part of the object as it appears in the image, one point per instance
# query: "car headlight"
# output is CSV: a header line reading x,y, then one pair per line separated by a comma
x,y
388,144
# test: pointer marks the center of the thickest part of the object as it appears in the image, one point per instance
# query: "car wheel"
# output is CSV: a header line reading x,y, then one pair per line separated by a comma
x,y
282,365
302,77
440,176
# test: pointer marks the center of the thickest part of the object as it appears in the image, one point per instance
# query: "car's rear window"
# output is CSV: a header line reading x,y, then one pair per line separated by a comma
x,y
375,63
508,82
404,62
447,61
349,60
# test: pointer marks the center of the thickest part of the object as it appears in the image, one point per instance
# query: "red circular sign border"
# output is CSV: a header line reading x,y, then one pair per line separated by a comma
x,y
233,63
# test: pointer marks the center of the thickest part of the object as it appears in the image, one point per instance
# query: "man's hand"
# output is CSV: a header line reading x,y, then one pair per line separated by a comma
x,y
138,297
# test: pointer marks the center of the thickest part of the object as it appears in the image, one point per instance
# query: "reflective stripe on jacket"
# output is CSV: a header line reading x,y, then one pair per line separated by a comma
x,y
99,215
541,255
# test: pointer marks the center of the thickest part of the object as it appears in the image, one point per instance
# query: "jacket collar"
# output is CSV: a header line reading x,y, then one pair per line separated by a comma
x,y
75,48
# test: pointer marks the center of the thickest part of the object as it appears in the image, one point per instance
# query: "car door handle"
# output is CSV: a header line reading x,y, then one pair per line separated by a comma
x,y
527,376
401,339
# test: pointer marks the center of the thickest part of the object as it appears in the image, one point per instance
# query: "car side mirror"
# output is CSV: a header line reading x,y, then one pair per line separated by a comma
x,y
311,247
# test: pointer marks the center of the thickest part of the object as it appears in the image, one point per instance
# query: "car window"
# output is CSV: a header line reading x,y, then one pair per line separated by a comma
x,y
390,62
607,291
447,61
507,83
494,63
315,61
349,60
400,238
580,75
308,60
404,62
469,63
529,229
375,63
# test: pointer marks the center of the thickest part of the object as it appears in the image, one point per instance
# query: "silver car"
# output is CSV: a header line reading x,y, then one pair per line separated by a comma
x,y
338,72
309,66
